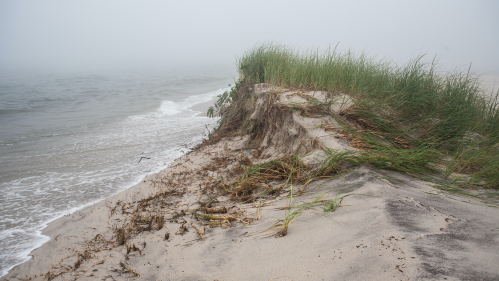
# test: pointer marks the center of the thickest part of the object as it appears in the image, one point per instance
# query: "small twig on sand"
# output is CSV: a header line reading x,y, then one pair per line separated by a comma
x,y
102,261
129,269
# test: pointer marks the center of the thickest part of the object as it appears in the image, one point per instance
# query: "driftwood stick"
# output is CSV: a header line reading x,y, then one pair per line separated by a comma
x,y
199,231
129,269
143,157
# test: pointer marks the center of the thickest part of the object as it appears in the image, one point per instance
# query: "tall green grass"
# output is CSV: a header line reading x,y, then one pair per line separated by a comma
x,y
444,111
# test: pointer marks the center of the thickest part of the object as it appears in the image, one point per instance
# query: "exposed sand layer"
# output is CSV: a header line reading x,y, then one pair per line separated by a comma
x,y
391,227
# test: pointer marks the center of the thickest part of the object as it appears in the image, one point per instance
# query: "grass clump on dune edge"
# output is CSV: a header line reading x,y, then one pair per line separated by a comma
x,y
448,112
413,107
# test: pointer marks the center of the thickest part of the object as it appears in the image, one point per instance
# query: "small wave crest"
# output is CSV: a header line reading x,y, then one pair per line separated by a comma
x,y
194,100
169,108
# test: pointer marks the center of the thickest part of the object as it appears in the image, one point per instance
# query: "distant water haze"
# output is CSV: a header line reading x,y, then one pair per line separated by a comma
x,y
68,139
490,83
119,33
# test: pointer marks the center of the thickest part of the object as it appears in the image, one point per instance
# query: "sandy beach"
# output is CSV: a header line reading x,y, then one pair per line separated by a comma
x,y
180,224
271,140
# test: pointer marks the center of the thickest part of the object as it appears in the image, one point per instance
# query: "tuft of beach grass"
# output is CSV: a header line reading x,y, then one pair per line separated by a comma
x,y
424,115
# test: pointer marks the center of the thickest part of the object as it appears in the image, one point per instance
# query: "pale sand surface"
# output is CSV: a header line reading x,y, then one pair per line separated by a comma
x,y
395,228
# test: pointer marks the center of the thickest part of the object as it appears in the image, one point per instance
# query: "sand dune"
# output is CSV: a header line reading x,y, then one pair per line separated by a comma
x,y
390,227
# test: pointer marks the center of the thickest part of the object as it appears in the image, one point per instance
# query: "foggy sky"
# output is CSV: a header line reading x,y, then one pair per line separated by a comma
x,y
102,34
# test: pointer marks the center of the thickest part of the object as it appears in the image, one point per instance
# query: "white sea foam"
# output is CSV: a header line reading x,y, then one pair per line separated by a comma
x,y
172,108
23,248
169,108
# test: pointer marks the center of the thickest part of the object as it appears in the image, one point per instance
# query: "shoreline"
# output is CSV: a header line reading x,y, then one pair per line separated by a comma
x,y
44,225
52,227
39,233
391,226
81,166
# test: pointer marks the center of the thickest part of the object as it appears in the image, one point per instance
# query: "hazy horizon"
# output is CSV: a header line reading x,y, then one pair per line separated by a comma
x,y
69,35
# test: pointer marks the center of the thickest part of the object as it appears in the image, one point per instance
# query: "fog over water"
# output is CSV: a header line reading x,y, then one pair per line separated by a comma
x,y
103,34
89,87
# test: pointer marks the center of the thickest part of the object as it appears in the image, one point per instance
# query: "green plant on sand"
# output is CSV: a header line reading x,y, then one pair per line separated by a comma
x,y
293,211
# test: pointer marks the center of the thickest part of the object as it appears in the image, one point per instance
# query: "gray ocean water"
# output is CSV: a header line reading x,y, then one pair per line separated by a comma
x,y
70,139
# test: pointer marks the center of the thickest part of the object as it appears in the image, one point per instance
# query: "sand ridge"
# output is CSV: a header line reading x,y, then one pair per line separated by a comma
x,y
180,224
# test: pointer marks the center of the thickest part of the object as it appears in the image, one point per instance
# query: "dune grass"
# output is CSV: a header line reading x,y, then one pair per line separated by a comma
x,y
294,210
424,114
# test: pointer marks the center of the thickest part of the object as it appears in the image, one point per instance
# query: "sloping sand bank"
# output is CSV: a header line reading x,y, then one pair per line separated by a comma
x,y
180,224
